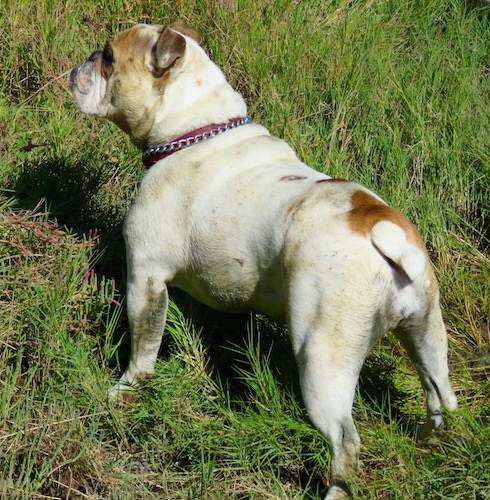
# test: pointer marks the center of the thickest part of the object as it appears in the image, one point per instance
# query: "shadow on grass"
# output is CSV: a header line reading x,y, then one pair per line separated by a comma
x,y
379,391
71,192
68,191
67,188
225,337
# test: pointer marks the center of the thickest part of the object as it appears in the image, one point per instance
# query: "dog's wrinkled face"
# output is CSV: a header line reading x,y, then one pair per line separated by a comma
x,y
125,81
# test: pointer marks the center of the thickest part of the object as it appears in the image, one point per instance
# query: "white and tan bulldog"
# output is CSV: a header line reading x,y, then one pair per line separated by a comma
x,y
229,214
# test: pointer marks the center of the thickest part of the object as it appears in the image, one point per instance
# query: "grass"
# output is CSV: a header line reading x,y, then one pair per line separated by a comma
x,y
391,94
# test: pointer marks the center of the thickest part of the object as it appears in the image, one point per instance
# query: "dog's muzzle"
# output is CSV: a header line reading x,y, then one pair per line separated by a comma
x,y
75,71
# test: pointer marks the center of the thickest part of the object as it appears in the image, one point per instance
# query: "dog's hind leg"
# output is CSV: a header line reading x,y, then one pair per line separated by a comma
x,y
328,388
425,340
330,344
421,331
147,311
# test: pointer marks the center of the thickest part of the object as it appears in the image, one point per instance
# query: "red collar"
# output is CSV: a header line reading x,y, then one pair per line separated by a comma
x,y
157,153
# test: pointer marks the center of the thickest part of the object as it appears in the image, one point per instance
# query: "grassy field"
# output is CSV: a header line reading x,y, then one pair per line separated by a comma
x,y
393,94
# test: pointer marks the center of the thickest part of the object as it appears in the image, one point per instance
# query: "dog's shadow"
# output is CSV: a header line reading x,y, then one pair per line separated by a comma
x,y
227,341
69,192
65,186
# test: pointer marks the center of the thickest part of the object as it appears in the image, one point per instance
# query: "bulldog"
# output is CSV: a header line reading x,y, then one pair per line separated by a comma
x,y
229,214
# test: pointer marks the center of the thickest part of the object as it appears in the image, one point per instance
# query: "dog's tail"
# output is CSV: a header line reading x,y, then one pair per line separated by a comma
x,y
391,240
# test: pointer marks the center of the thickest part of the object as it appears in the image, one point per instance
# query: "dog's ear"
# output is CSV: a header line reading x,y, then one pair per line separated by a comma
x,y
181,27
171,46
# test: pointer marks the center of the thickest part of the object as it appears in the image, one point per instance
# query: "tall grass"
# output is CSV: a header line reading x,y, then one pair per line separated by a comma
x,y
391,94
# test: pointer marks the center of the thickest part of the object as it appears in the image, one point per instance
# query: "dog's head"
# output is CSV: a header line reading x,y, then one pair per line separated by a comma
x,y
126,81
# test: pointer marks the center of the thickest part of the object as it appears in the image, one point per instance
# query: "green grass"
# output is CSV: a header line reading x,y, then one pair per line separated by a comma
x,y
393,94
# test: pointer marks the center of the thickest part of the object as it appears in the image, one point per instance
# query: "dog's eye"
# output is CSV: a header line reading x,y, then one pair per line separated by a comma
x,y
107,55
107,65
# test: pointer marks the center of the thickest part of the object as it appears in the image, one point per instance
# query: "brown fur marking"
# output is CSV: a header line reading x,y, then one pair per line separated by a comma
x,y
293,178
367,211
181,27
333,179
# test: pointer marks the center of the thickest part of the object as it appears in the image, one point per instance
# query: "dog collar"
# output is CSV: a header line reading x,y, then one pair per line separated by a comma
x,y
157,153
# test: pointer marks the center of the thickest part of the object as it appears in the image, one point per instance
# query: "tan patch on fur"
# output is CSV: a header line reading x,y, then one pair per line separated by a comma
x,y
134,42
181,27
367,211
129,43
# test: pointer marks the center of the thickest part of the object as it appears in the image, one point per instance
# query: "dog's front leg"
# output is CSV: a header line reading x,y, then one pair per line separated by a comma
x,y
147,311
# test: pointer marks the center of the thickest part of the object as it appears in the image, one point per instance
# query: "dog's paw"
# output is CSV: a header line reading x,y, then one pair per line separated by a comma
x,y
122,393
426,436
337,492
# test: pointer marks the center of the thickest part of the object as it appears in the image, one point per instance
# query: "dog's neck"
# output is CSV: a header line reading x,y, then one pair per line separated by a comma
x,y
157,153
199,97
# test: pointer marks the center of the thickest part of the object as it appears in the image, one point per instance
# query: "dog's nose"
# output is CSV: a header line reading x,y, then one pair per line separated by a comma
x,y
73,76
75,71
